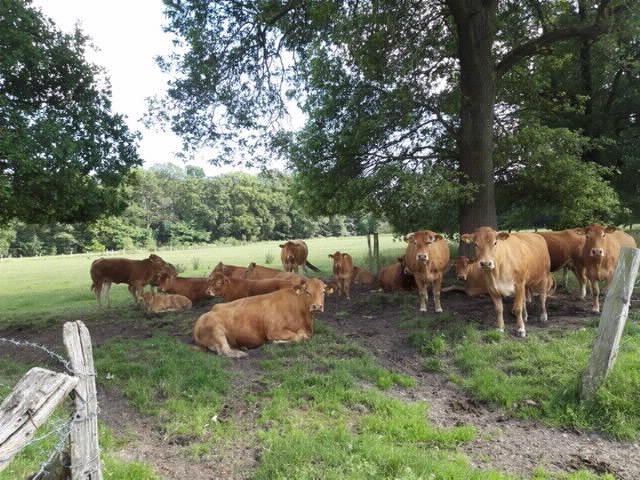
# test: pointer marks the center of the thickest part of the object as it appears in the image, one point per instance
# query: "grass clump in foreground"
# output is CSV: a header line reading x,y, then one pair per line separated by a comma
x,y
537,377
166,378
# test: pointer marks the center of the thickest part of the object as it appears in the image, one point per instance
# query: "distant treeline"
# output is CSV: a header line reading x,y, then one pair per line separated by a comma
x,y
172,206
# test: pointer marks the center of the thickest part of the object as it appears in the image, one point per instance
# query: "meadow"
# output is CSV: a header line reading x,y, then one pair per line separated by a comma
x,y
376,393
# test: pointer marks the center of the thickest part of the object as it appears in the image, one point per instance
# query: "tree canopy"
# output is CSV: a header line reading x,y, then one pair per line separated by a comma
x,y
424,99
64,154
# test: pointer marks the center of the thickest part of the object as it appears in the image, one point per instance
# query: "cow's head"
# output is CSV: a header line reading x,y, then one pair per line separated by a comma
x,y
422,239
314,291
217,285
289,255
595,238
485,241
463,264
337,261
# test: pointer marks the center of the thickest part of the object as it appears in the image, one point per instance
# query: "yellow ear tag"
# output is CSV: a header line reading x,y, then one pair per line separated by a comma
x,y
298,290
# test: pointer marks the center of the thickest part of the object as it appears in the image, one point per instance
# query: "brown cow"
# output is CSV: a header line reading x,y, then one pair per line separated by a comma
x,y
363,276
282,316
258,272
195,289
512,263
229,270
600,254
234,288
565,251
294,254
395,277
135,273
157,303
427,258
343,271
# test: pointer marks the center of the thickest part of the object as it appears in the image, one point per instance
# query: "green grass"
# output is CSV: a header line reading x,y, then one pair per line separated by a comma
x,y
537,377
40,290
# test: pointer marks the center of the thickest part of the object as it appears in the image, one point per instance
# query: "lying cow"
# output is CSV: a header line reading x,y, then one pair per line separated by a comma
x,y
282,316
157,303
195,289
600,254
229,270
427,258
343,271
234,288
565,251
258,272
395,277
135,273
512,264
294,254
363,276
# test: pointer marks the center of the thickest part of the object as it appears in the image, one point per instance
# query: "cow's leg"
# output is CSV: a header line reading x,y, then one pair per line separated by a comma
x,y
221,345
543,300
106,290
98,292
423,292
497,303
287,336
595,288
347,287
519,304
437,287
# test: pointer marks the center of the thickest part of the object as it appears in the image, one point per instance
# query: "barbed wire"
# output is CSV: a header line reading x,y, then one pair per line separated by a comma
x,y
52,354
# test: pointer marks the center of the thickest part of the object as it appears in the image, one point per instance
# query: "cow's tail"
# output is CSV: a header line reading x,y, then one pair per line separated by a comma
x,y
311,266
553,287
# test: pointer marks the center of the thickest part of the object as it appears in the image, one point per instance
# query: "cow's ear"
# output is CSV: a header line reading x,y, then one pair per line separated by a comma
x,y
611,229
282,245
409,237
329,289
400,259
331,255
467,237
580,231
502,235
438,237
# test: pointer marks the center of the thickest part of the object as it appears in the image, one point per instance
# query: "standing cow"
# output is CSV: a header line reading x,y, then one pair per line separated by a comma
x,y
282,316
600,254
343,271
427,258
135,273
294,254
512,263
565,251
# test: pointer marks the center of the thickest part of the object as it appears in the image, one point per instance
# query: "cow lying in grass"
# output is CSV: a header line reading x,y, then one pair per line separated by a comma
x,y
195,289
234,288
157,303
282,316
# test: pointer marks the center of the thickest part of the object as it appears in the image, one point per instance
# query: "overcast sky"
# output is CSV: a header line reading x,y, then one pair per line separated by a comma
x,y
128,35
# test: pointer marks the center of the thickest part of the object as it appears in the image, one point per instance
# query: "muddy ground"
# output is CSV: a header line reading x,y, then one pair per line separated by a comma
x,y
514,446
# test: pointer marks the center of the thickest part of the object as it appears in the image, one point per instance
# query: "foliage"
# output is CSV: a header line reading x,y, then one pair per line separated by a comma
x,y
64,155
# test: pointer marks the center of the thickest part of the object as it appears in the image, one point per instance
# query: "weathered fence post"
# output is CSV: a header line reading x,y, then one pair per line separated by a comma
x,y
85,450
31,403
612,321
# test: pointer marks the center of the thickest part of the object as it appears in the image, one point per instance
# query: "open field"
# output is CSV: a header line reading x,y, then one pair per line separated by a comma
x,y
381,391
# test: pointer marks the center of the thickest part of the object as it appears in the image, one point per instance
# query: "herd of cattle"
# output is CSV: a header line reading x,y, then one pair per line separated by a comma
x,y
263,304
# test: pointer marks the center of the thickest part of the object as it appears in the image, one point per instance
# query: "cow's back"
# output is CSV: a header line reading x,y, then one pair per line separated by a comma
x,y
116,270
527,257
564,247
390,278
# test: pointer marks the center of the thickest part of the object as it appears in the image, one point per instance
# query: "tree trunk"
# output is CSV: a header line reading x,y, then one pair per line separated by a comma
x,y
476,26
370,257
376,251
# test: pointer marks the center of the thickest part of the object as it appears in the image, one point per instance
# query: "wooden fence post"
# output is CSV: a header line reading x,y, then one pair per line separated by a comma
x,y
85,450
29,405
612,321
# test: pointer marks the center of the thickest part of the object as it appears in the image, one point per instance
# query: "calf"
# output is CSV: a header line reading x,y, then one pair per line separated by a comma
x,y
195,289
600,254
365,277
395,277
281,316
343,271
135,273
427,258
156,303
512,263
234,288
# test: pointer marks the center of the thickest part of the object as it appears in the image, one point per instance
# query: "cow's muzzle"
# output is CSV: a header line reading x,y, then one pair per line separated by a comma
x,y
597,252
488,264
422,258
462,277
317,308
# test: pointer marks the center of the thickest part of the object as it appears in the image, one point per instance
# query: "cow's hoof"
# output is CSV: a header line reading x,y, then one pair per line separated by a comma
x,y
423,310
544,318
500,330
595,310
521,332
439,310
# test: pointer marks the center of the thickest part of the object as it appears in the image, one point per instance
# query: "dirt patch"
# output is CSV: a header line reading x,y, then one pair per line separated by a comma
x,y
514,446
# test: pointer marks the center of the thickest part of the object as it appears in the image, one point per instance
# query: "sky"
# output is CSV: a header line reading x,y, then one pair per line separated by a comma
x,y
128,36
